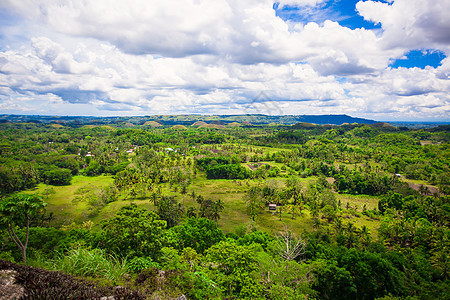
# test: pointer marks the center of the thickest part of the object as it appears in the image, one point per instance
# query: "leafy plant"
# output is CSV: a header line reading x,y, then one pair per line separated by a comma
x,y
19,210
91,263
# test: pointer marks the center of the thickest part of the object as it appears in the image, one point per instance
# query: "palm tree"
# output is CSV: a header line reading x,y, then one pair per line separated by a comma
x,y
216,209
338,225
154,198
350,228
364,234
200,201
316,223
183,192
350,240
190,212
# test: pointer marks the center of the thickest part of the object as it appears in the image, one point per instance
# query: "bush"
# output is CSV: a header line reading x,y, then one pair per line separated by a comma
x,y
197,233
57,176
232,171
138,264
94,169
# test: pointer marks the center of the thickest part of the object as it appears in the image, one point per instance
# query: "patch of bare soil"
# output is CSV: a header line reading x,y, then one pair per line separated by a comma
x,y
424,189
429,143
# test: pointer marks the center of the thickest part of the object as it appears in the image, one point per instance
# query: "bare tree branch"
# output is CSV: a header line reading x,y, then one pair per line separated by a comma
x,y
289,247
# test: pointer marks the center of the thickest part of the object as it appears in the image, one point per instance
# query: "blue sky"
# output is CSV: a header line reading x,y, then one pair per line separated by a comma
x,y
420,59
383,60
343,12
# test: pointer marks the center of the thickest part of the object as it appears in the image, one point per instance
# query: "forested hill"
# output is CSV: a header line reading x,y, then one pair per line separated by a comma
x,y
257,119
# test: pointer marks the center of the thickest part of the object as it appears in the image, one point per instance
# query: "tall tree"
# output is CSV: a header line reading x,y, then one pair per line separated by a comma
x,y
169,210
133,231
20,210
254,201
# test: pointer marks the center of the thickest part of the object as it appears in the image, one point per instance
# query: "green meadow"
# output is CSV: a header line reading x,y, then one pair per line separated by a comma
x,y
66,209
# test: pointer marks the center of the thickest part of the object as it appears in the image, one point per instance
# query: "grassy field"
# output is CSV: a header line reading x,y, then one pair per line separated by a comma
x,y
62,203
358,201
60,198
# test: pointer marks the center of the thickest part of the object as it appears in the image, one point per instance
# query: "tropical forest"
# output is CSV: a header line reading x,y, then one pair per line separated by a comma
x,y
224,209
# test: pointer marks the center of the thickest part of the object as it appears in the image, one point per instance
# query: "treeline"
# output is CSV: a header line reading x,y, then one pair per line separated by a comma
x,y
223,168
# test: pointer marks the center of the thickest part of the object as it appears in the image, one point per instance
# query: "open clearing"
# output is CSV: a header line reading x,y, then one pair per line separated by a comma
x,y
232,192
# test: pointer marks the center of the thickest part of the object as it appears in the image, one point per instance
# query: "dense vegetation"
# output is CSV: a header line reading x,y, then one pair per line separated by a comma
x,y
360,211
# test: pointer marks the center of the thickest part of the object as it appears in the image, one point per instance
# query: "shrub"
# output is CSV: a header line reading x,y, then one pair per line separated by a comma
x,y
138,264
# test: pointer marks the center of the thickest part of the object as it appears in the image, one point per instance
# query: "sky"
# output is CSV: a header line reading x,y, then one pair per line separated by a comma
x,y
382,60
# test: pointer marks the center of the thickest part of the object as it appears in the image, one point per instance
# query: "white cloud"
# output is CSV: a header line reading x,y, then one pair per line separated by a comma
x,y
412,93
299,3
237,31
195,56
410,23
60,60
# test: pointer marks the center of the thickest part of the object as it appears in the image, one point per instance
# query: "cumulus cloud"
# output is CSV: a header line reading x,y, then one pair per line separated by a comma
x,y
413,93
410,23
160,84
54,55
198,56
245,32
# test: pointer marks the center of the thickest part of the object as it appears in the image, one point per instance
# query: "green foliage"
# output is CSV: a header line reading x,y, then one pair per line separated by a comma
x,y
285,279
333,282
234,268
116,168
255,201
69,162
291,137
393,200
197,233
329,212
257,237
373,275
57,176
231,171
399,250
91,263
133,232
94,168
17,176
209,209
138,264
207,162
169,210
365,131
222,168
363,183
95,197
20,210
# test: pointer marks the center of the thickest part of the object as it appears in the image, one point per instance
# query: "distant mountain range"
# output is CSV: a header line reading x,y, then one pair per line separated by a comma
x,y
255,119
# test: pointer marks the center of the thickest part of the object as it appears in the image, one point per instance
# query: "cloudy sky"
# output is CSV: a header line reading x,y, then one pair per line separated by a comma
x,y
383,60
